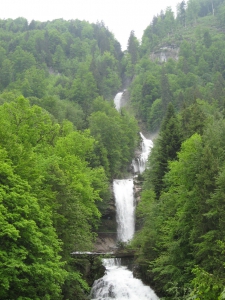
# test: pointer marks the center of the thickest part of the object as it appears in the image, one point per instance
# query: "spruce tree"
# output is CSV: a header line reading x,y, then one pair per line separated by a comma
x,y
166,93
132,47
165,150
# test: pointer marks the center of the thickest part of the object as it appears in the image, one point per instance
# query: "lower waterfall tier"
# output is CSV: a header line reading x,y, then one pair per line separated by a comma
x,y
119,284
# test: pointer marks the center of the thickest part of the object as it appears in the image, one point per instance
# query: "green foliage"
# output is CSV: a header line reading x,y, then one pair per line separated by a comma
x,y
192,11
86,54
155,115
184,250
48,197
166,94
116,133
144,91
83,89
29,244
132,48
166,148
181,13
54,178
108,77
180,245
205,285
75,287
193,119
186,54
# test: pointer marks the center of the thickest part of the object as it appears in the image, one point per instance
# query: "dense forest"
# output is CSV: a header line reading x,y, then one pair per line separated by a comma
x,y
181,95
62,142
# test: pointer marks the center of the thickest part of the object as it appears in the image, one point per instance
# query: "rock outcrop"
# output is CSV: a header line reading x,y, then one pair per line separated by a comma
x,y
164,53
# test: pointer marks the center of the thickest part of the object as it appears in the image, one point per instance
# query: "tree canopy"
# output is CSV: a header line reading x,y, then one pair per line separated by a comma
x,y
62,142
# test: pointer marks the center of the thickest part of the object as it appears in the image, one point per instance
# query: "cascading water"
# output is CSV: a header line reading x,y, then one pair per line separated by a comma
x,y
118,283
117,100
125,206
139,163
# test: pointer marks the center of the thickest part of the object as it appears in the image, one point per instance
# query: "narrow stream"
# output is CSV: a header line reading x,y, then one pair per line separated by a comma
x,y
118,283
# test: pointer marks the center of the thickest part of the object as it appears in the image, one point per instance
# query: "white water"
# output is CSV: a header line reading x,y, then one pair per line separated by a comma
x,y
118,283
117,100
139,163
125,207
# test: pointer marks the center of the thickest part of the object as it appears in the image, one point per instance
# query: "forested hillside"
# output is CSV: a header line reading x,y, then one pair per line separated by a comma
x,y
178,90
61,143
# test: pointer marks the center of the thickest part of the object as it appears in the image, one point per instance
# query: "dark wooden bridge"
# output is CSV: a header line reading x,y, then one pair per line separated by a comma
x,y
113,254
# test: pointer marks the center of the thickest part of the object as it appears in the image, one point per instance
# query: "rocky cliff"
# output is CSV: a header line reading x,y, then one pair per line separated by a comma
x,y
164,53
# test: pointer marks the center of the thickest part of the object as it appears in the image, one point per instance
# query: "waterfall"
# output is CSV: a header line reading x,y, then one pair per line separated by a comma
x,y
125,206
139,163
146,148
117,100
118,283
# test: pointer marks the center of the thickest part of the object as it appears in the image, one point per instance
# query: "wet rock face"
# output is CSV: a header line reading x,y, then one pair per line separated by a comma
x,y
111,210
108,220
106,242
125,98
107,235
137,190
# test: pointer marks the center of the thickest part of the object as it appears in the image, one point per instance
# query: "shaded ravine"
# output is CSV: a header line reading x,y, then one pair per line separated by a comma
x,y
118,283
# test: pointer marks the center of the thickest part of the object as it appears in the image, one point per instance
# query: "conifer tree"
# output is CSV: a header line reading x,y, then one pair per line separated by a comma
x,y
132,47
166,94
165,150
181,13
